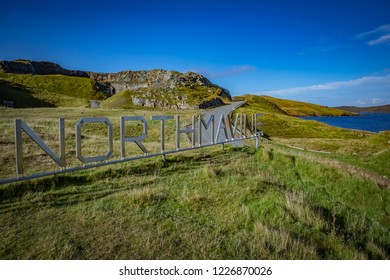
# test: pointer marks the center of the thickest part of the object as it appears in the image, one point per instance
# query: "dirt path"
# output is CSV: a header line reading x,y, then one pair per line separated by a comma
x,y
381,181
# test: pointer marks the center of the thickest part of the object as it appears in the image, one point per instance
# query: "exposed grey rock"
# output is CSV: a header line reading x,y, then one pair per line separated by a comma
x,y
113,83
22,66
133,80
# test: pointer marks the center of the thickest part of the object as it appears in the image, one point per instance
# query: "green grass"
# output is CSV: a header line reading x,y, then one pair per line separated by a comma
x,y
121,100
237,203
278,125
29,91
210,204
259,104
169,98
371,153
268,104
48,90
295,108
20,95
199,94
367,150
278,122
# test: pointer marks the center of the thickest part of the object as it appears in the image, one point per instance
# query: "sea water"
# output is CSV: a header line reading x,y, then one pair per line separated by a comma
x,y
374,122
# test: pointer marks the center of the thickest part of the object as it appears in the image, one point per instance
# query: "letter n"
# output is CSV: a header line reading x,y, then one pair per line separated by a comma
x,y
22,126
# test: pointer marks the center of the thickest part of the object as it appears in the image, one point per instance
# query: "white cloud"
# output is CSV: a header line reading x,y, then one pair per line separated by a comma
x,y
380,29
361,82
372,101
380,35
369,90
380,40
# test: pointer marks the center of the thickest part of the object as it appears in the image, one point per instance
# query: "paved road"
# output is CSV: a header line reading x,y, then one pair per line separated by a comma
x,y
217,112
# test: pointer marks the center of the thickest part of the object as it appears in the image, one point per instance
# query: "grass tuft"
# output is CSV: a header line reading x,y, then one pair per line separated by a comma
x,y
238,203
29,91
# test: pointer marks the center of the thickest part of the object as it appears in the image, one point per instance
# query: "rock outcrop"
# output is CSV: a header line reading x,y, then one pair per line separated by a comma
x,y
154,88
133,80
22,66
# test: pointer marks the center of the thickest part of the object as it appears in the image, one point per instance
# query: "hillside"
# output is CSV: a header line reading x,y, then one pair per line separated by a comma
x,y
20,95
268,104
280,119
55,86
176,98
233,204
372,109
211,203
29,91
161,89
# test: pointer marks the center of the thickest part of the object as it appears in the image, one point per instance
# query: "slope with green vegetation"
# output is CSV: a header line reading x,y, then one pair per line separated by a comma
x,y
364,149
278,125
280,119
27,91
51,83
372,153
276,202
20,95
268,104
175,98
210,204
121,100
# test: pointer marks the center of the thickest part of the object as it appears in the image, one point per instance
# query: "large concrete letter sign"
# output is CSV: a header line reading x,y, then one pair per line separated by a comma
x,y
203,131
136,139
210,122
79,126
162,130
188,130
22,126
222,125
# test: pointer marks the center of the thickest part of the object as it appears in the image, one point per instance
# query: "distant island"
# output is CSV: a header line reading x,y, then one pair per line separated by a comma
x,y
372,109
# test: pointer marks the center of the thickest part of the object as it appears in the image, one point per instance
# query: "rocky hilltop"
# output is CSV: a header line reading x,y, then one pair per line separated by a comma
x,y
154,88
22,66
132,80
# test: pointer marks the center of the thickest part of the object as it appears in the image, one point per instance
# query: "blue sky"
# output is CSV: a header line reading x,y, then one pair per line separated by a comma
x,y
325,52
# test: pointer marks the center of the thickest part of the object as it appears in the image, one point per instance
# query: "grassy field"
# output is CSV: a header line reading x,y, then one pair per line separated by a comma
x,y
238,203
30,91
367,150
268,104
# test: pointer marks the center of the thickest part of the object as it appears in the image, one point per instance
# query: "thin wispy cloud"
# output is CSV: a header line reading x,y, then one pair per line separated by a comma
x,y
381,29
377,87
381,40
231,71
364,81
377,36
372,101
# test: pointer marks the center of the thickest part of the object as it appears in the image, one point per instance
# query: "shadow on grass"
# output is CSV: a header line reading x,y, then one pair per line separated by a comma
x,y
20,95
51,191
359,238
43,199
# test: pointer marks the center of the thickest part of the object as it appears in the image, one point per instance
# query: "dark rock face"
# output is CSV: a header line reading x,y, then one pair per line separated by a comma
x,y
38,68
216,102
